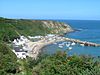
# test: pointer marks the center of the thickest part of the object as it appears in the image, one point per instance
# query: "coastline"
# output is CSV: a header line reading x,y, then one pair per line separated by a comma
x,y
38,46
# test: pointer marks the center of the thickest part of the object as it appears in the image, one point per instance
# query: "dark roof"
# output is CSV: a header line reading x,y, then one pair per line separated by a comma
x,y
18,49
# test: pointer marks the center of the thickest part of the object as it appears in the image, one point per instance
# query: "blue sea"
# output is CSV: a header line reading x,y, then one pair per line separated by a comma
x,y
89,30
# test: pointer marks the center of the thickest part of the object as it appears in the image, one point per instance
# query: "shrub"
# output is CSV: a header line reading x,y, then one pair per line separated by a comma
x,y
8,60
60,64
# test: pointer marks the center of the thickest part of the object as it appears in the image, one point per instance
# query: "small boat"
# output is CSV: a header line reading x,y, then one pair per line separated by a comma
x,y
73,43
70,48
82,45
67,45
60,46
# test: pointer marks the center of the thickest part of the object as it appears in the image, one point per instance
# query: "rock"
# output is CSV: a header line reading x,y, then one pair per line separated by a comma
x,y
57,27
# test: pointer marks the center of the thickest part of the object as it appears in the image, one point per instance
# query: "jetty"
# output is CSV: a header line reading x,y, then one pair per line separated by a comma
x,y
85,43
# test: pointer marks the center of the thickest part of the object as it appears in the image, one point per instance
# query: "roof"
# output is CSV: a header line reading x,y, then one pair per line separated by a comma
x,y
18,49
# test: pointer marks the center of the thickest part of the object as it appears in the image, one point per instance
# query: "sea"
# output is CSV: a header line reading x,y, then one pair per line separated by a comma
x,y
86,30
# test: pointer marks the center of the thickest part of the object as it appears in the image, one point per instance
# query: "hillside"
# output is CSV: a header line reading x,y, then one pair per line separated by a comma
x,y
12,28
8,60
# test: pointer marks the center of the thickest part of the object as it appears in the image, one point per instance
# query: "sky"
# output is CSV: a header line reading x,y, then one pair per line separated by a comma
x,y
51,9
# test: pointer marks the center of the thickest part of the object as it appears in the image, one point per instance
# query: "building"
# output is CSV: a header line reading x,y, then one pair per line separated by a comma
x,y
20,54
20,47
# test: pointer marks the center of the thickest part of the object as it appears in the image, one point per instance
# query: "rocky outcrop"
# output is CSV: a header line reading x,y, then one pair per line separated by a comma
x,y
54,27
57,27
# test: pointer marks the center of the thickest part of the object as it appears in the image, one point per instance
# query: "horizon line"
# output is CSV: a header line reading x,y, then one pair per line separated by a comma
x,y
48,18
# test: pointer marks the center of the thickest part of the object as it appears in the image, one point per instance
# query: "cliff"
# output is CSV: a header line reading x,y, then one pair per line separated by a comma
x,y
13,28
57,27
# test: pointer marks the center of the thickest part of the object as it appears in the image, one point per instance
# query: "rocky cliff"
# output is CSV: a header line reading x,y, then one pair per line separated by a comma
x,y
56,27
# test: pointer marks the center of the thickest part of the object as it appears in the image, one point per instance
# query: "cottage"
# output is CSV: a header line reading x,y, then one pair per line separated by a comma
x,y
20,47
20,41
20,54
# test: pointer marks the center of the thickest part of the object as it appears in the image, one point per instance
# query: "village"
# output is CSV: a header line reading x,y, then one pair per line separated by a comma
x,y
23,47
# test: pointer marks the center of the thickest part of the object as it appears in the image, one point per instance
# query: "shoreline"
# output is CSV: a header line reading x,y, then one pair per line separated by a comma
x,y
38,46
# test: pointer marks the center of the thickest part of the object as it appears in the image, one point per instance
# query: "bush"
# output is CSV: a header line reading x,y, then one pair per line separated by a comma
x,y
12,28
8,60
60,64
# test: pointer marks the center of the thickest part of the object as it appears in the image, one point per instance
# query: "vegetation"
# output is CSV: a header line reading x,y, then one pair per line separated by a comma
x,y
12,28
56,64
8,60
60,64
11,65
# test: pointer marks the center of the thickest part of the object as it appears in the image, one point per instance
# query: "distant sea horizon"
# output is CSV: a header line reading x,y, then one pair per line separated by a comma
x,y
69,19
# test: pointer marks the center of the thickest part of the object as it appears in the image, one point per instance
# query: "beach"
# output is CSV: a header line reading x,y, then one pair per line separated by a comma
x,y
37,46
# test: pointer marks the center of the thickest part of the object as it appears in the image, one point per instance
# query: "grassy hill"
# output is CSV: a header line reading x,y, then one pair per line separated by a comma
x,y
12,28
8,60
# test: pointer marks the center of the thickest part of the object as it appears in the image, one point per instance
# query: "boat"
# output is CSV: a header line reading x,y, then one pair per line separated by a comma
x,y
82,45
67,45
70,48
60,46
73,43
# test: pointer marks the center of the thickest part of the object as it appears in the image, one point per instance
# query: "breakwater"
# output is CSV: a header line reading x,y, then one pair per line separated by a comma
x,y
85,43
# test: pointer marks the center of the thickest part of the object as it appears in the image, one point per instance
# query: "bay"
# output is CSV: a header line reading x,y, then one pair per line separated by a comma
x,y
89,30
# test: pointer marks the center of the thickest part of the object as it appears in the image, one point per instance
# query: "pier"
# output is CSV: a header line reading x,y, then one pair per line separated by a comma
x,y
85,43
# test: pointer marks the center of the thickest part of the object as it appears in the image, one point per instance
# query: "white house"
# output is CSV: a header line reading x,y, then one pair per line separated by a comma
x,y
24,39
21,55
20,47
15,41
35,37
20,41
50,35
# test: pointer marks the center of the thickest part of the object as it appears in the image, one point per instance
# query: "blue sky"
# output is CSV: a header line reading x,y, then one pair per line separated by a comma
x,y
51,9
